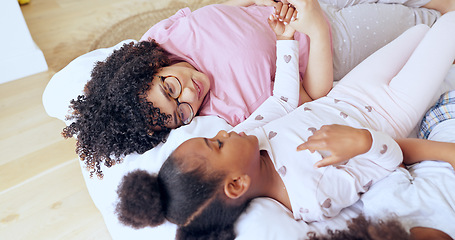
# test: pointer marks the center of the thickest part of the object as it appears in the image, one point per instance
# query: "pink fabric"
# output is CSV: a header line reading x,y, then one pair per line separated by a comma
x,y
399,80
235,47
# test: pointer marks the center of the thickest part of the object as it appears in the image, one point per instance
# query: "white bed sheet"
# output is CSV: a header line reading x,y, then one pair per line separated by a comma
x,y
264,219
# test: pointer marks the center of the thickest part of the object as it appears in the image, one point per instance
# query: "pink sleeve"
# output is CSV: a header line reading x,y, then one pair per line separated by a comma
x,y
163,25
235,47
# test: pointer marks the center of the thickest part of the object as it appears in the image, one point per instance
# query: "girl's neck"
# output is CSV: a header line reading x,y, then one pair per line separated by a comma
x,y
271,184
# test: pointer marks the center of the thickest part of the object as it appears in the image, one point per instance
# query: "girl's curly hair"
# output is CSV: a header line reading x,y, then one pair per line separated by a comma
x,y
113,118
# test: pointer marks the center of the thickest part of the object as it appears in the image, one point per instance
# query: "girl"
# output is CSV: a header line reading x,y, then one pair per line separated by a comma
x,y
144,90
206,183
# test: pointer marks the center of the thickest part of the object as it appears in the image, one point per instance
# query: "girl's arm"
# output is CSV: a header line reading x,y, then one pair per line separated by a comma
x,y
285,96
345,142
318,77
417,150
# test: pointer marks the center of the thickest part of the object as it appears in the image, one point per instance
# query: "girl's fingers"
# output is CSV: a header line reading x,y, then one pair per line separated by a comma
x,y
309,144
272,21
301,147
313,145
289,15
306,146
283,12
294,16
326,162
278,6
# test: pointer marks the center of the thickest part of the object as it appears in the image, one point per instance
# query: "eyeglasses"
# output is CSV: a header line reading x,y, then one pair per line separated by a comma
x,y
173,88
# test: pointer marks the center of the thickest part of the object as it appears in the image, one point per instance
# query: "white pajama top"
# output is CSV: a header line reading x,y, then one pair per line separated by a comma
x,y
315,194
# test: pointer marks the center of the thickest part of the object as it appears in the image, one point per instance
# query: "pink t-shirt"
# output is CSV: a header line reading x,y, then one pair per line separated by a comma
x,y
235,47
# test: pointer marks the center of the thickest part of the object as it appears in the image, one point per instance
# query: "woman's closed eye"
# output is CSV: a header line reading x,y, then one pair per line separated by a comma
x,y
220,144
169,89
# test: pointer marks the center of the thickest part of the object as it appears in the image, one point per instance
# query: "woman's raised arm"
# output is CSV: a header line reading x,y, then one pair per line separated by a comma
x,y
318,77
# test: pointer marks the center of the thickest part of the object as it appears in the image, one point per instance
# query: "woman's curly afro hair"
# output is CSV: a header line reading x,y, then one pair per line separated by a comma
x,y
112,118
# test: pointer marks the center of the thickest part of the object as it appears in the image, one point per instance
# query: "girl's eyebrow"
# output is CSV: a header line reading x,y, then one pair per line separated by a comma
x,y
207,143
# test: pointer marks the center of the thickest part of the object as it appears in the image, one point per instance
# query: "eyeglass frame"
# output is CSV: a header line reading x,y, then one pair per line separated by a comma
x,y
163,79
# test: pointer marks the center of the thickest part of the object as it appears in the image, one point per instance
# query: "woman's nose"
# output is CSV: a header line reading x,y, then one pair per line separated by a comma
x,y
188,95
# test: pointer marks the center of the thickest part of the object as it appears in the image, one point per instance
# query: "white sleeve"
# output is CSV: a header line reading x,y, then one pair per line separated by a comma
x,y
287,77
383,158
384,151
286,88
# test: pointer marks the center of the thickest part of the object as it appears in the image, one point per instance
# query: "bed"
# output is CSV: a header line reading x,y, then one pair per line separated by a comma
x,y
264,218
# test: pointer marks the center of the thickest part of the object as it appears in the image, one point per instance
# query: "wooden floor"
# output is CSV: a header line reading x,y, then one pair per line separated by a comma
x,y
42,192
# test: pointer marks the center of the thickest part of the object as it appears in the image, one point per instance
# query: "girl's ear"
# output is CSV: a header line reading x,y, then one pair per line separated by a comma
x,y
236,187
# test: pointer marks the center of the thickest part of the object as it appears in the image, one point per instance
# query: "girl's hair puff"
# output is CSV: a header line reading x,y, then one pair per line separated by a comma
x,y
140,204
193,199
113,118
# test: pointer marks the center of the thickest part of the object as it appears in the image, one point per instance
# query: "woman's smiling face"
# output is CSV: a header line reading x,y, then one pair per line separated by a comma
x,y
195,86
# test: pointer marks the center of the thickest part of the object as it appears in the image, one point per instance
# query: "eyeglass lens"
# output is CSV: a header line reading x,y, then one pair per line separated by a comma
x,y
174,89
185,112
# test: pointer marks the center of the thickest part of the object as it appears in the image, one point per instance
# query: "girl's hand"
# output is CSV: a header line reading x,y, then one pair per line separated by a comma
x,y
279,21
343,142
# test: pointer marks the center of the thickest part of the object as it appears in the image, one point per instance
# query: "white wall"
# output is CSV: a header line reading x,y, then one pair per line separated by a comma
x,y
19,55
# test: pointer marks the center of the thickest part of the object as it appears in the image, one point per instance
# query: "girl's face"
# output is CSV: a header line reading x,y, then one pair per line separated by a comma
x,y
227,152
195,86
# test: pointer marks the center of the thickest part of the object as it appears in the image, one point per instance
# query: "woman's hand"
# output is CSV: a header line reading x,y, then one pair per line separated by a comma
x,y
343,142
310,18
279,21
